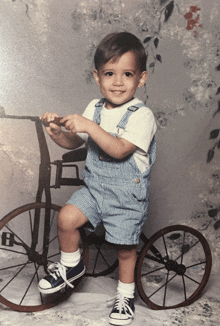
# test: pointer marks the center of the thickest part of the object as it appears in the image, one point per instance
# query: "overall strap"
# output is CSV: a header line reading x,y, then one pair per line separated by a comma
x,y
124,120
98,108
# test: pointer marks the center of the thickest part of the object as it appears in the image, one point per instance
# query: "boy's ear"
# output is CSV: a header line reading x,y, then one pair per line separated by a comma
x,y
96,76
143,78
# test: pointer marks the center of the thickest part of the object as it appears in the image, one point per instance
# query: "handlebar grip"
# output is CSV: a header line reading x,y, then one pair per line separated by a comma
x,y
56,121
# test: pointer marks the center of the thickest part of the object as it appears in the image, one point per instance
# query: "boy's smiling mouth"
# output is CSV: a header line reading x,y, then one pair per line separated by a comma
x,y
117,91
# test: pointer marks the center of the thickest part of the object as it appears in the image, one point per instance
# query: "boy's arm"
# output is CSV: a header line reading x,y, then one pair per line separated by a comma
x,y
117,148
67,140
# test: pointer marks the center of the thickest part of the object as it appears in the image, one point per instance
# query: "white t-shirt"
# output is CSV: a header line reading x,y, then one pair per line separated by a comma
x,y
139,130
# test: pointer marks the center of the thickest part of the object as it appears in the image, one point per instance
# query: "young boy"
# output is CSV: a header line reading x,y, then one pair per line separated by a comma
x,y
119,134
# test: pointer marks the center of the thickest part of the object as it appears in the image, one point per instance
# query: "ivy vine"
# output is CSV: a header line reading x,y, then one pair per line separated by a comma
x,y
214,135
26,6
152,42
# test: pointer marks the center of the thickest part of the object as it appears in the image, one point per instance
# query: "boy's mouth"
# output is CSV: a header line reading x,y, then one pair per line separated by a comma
x,y
117,92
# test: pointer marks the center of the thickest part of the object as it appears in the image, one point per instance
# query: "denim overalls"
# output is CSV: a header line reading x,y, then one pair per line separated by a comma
x,y
116,192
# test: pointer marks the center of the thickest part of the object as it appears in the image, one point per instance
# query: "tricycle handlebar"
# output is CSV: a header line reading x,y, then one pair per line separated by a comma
x,y
32,118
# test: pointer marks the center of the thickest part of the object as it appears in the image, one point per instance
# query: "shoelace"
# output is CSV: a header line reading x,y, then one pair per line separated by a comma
x,y
58,270
121,303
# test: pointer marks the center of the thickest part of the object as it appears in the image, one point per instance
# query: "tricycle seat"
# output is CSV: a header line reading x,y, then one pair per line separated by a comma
x,y
76,155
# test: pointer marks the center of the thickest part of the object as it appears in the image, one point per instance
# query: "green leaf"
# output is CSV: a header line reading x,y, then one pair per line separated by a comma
x,y
210,155
218,110
214,134
168,11
213,212
156,42
147,39
217,225
159,58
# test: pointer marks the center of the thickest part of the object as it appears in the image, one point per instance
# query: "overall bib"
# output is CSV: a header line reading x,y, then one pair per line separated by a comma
x,y
116,192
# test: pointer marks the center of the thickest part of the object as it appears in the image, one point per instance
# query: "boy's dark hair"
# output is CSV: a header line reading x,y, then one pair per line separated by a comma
x,y
114,45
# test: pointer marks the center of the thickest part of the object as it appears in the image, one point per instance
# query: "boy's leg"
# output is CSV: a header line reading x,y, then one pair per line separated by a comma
x,y
123,310
71,266
70,219
127,257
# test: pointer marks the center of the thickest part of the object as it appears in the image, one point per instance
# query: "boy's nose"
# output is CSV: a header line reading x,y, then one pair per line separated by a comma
x,y
118,80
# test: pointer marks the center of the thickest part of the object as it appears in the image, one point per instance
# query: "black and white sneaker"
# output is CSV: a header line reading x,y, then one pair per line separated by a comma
x,y
123,311
60,276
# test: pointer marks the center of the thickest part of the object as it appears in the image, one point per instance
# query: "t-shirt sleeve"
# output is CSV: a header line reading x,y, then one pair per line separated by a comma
x,y
140,129
88,113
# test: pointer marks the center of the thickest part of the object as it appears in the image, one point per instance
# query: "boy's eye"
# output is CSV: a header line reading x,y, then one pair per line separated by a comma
x,y
128,74
109,73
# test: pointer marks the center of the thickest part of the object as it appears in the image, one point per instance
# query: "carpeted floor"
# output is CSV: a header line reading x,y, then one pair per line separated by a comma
x,y
88,307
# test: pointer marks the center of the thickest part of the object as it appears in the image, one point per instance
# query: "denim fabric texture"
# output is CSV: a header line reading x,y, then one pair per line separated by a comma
x,y
116,193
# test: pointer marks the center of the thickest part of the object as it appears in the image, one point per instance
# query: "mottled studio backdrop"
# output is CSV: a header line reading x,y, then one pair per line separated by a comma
x,y
46,64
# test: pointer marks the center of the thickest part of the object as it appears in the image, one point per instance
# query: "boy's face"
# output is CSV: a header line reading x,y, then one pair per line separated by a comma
x,y
118,80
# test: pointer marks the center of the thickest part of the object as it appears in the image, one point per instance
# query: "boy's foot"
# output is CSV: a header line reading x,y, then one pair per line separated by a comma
x,y
60,277
123,311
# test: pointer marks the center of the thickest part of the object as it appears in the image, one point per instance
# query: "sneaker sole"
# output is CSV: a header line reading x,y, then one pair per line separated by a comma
x,y
120,321
61,286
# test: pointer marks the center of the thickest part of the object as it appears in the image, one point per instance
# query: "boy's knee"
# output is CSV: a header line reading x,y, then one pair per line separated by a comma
x,y
65,218
127,252
70,217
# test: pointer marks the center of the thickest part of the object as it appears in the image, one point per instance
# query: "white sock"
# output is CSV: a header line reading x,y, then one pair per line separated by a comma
x,y
70,259
126,289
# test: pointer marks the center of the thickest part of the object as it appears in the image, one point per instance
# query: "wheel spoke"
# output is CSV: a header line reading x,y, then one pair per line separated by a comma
x,y
190,278
194,265
31,224
14,266
54,255
165,246
184,286
165,290
165,284
31,281
101,254
183,246
156,259
23,266
14,251
52,219
96,259
54,238
155,270
183,253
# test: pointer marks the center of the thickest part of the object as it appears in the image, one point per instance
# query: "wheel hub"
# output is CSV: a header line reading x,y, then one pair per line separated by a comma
x,y
35,257
172,265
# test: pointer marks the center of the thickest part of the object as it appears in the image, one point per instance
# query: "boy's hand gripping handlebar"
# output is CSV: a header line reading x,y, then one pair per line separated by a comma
x,y
56,121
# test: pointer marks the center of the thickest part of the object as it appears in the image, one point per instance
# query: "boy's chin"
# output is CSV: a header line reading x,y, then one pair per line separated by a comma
x,y
113,105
